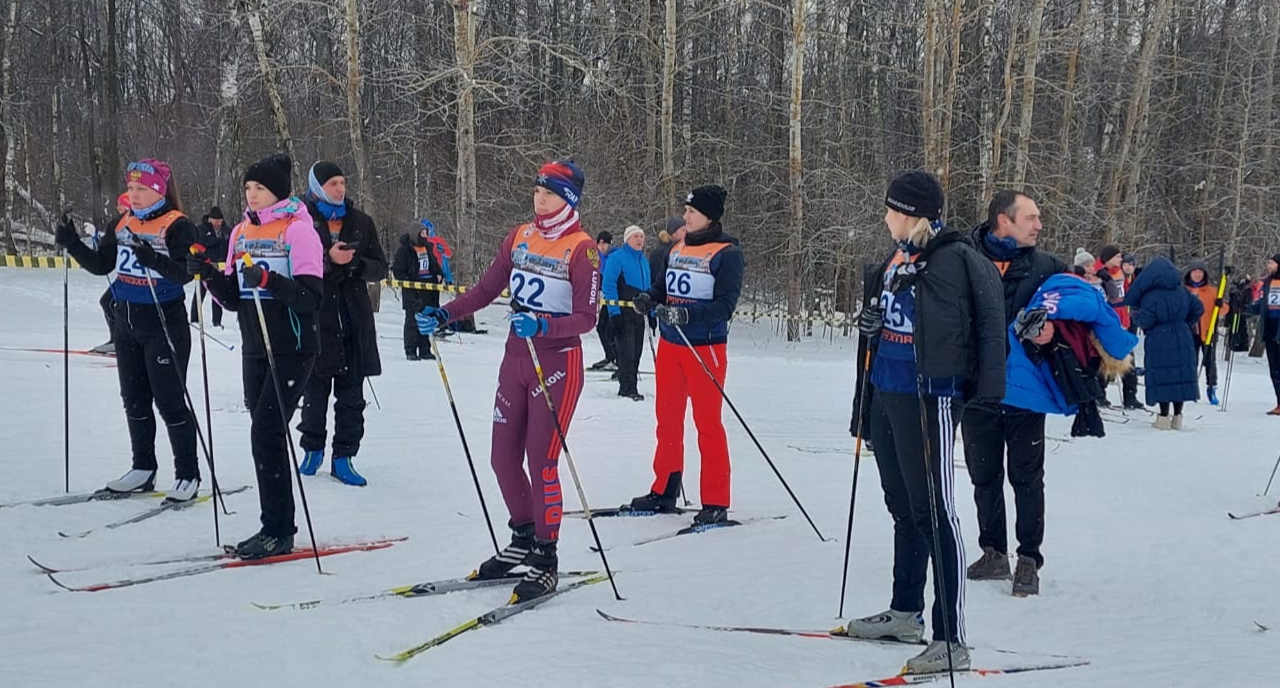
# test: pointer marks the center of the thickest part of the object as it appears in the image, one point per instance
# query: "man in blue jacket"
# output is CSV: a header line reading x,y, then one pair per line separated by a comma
x,y
626,274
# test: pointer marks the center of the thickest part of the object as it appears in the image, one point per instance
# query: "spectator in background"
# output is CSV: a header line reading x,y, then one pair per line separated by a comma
x,y
415,261
212,234
108,302
627,274
604,243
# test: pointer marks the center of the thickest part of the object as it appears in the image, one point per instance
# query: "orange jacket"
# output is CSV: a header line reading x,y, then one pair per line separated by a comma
x,y
1208,294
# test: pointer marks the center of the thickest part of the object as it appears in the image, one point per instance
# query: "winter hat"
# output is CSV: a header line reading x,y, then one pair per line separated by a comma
x,y
429,226
1083,259
123,199
1129,258
215,213
674,224
150,173
1276,258
1108,252
320,173
606,237
631,231
274,172
563,178
917,194
708,200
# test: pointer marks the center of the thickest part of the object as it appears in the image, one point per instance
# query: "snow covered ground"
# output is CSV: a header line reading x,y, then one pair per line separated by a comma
x,y
1145,575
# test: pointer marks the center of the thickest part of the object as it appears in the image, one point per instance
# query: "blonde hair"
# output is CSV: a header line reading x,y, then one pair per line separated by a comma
x,y
921,233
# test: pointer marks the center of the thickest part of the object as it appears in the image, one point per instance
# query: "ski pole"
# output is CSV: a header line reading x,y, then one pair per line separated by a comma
x,y
573,471
1273,476
374,392
284,414
466,449
208,410
653,351
857,462
215,340
66,374
750,434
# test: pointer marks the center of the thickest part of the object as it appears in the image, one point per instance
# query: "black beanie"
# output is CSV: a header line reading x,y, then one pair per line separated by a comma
x,y
917,194
324,170
605,237
1107,253
1129,258
274,172
215,213
708,200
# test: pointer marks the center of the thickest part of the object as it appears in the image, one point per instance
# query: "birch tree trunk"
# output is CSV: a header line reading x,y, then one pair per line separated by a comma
x,y
270,82
1065,152
224,157
1032,59
468,223
111,169
987,118
668,107
953,87
997,136
355,123
8,121
55,112
795,168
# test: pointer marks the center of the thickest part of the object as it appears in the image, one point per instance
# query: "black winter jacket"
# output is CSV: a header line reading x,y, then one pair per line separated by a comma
x,y
959,323
405,267
1027,270
346,308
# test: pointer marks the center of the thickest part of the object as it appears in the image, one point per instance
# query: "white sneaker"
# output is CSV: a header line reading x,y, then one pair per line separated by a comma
x,y
134,481
182,491
1176,423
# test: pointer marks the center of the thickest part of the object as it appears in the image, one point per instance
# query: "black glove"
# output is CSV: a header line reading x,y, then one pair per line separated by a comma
x,y
254,276
145,253
65,233
642,302
199,265
1228,270
674,316
871,319
1030,323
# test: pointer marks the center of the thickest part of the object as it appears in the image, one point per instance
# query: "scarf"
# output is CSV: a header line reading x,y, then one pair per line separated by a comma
x,y
142,213
326,206
553,227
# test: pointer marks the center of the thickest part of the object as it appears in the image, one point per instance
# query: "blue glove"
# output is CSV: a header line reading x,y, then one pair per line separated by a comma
x,y
527,325
431,319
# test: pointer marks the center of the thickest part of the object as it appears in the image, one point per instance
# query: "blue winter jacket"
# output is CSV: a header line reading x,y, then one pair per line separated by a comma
x,y
1166,312
629,266
1065,296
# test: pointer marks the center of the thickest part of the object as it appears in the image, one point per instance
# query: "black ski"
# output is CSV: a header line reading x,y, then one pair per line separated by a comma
x,y
835,634
622,512
166,505
439,587
96,496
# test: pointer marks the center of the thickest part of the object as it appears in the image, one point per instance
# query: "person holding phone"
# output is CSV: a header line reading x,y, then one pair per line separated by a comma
x,y
348,338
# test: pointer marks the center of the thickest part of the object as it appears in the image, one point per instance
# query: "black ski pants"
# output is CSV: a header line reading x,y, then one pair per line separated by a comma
x,y
1208,360
900,458
268,434
204,297
151,375
108,304
414,341
348,410
1273,362
990,432
628,336
605,331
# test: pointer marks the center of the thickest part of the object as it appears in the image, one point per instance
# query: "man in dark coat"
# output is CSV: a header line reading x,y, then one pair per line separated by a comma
x,y
416,261
1008,238
1168,314
212,233
348,340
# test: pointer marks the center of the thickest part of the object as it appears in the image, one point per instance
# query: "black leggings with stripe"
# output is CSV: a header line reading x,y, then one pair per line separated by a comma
x,y
900,457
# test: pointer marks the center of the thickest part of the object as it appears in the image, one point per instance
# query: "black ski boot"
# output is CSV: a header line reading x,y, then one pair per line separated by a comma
x,y
541,578
661,503
261,546
511,556
711,515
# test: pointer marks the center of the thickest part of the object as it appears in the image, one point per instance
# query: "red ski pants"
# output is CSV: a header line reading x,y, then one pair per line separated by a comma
x,y
681,379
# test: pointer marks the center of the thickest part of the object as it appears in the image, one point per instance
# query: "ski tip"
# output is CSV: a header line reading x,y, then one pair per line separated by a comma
x,y
59,583
73,536
40,566
1261,628
267,607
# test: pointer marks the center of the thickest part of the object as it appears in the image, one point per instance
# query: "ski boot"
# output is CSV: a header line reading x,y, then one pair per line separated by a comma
x,y
105,348
346,473
311,462
412,356
664,503
891,625
261,546
934,659
136,480
541,578
1131,402
1212,392
992,566
511,556
711,516
183,490
1026,579
602,364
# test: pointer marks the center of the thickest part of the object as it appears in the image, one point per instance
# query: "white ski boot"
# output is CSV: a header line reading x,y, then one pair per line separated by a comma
x,y
893,625
934,659
182,491
135,480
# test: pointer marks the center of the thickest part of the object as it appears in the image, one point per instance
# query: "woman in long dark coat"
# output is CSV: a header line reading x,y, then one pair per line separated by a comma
x,y
1167,313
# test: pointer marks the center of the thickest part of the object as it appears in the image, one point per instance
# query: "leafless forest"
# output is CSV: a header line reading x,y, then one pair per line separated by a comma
x,y
1152,124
